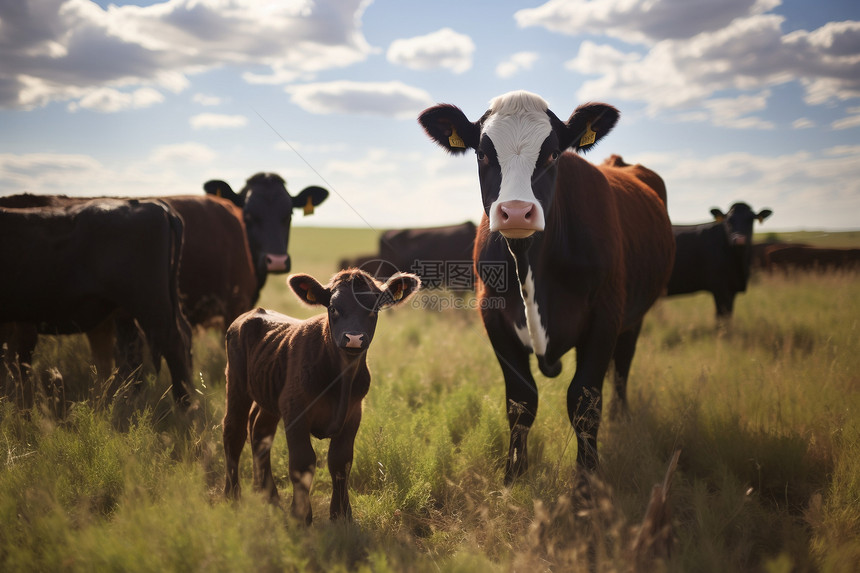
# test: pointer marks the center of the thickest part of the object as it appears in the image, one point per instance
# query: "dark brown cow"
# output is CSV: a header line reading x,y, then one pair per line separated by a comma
x,y
268,213
441,256
312,374
576,254
790,257
69,269
216,277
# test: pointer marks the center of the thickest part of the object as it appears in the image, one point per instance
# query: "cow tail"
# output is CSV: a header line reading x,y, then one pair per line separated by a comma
x,y
177,239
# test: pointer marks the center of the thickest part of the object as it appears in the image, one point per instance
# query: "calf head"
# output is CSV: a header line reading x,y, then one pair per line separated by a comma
x,y
739,222
518,142
267,208
353,299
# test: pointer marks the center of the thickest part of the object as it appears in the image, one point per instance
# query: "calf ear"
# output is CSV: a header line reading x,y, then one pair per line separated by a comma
x,y
222,189
448,126
398,289
718,215
309,290
587,125
763,214
309,198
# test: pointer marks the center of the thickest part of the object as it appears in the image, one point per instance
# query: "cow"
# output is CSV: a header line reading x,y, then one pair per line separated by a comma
x,y
441,256
71,268
789,257
575,253
716,256
312,374
267,209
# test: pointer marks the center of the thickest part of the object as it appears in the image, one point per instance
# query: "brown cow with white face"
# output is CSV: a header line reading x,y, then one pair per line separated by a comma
x,y
312,374
576,254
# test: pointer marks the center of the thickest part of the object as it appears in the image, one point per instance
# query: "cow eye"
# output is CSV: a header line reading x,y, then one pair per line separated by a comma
x,y
554,155
482,157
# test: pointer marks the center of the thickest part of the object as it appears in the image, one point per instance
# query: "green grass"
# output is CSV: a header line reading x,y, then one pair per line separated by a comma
x,y
766,413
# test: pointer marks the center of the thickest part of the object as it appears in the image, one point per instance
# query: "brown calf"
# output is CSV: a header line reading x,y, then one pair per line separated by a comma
x,y
311,373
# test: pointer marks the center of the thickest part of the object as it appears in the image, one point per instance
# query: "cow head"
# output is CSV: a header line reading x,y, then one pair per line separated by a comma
x,y
353,299
517,143
739,223
268,212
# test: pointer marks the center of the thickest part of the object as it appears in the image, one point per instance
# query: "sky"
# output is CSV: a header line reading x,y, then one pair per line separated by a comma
x,y
735,100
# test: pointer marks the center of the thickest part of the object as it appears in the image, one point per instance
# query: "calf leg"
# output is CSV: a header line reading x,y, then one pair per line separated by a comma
x,y
339,464
302,466
263,425
235,426
625,348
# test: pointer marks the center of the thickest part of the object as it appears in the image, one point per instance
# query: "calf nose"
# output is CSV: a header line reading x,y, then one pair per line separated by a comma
x,y
354,340
518,219
277,263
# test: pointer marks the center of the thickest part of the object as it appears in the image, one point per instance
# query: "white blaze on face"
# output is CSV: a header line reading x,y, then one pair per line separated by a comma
x,y
537,335
517,125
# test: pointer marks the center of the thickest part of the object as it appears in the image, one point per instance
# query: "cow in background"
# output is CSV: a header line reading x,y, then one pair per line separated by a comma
x,y
789,257
267,209
578,253
716,256
441,256
72,268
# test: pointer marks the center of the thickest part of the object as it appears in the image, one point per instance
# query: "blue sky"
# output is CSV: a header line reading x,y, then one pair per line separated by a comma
x,y
753,100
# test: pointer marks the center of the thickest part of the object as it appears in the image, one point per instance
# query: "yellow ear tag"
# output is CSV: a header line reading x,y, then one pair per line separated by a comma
x,y
588,137
454,139
309,207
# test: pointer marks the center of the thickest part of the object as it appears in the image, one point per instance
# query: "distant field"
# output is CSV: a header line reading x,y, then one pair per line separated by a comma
x,y
766,414
815,238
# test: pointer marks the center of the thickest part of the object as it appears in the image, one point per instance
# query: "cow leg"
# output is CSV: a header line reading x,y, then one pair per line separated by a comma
x,y
17,342
725,303
625,348
339,464
584,395
302,466
520,392
262,426
235,423
169,335
101,339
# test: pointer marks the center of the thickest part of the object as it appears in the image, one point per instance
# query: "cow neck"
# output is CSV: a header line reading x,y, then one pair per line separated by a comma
x,y
534,333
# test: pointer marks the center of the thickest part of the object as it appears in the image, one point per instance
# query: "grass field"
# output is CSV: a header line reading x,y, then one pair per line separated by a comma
x,y
766,415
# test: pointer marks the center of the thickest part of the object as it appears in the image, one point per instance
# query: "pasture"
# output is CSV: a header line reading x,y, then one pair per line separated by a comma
x,y
766,414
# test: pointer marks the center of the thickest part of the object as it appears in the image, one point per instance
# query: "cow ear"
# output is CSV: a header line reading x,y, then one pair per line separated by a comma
x,y
222,189
587,125
763,214
448,126
398,289
718,215
309,290
309,198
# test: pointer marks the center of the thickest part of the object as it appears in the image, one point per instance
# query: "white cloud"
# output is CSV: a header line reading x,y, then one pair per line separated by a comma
x,y
182,153
206,100
516,63
749,54
852,120
217,121
108,100
802,123
394,99
640,22
444,48
59,50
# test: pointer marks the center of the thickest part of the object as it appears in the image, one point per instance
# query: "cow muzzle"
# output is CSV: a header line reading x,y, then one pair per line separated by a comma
x,y
517,219
277,263
354,342
738,240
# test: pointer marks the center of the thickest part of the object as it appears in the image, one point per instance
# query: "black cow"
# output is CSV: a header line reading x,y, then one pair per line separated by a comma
x,y
577,254
69,269
716,256
268,211
441,256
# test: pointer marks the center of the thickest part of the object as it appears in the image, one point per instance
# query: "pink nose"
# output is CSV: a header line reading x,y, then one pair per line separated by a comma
x,y
738,239
277,263
354,340
518,219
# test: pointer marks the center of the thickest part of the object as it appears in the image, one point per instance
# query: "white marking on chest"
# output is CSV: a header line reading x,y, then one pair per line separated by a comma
x,y
534,333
